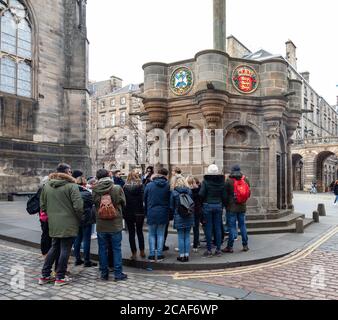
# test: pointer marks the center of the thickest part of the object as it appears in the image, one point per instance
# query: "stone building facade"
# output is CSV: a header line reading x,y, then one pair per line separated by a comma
x,y
114,110
248,101
43,90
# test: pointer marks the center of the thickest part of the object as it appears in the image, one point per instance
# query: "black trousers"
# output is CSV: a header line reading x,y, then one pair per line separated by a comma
x,y
46,240
110,253
135,225
60,250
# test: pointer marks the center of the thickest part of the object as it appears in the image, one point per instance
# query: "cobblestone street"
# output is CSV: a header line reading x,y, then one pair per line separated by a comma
x,y
86,285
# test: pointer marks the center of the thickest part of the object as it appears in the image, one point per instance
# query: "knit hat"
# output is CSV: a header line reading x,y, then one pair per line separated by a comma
x,y
213,169
77,173
236,168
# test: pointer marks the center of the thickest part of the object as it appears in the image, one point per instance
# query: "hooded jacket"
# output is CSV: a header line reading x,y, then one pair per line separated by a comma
x,y
179,221
232,206
105,186
61,200
156,200
213,189
88,217
134,198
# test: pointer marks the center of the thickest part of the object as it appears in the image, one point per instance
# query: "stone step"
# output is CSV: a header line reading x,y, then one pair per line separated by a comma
x,y
272,230
271,223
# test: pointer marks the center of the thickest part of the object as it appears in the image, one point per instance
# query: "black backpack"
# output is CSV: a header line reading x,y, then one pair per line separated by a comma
x,y
33,204
186,206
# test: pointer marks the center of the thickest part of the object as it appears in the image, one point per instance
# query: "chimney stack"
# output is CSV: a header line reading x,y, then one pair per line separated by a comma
x,y
291,54
306,76
220,25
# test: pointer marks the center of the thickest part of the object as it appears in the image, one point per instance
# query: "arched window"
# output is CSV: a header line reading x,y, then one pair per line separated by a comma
x,y
15,49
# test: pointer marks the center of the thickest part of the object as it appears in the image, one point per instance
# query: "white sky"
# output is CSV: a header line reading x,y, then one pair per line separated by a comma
x,y
125,34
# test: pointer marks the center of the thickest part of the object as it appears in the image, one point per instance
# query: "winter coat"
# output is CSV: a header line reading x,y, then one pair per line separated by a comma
x,y
118,181
103,187
335,189
156,201
62,201
232,206
197,200
213,189
134,198
179,221
88,217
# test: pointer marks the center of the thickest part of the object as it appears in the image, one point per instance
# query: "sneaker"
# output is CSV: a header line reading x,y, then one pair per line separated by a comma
x,y
105,277
245,248
236,239
177,250
166,248
46,280
180,259
228,250
78,263
186,259
122,277
195,250
94,236
90,264
160,258
151,258
207,254
62,282
218,253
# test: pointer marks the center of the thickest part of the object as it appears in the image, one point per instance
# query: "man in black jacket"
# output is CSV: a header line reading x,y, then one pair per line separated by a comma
x,y
214,198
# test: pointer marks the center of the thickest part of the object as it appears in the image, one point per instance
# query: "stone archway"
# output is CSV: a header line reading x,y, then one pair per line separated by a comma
x,y
297,172
321,171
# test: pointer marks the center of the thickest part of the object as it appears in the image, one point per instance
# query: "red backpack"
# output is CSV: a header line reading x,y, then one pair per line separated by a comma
x,y
241,191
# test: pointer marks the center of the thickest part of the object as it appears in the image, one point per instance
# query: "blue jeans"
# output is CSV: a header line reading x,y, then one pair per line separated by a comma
x,y
196,230
213,216
233,217
156,232
184,241
85,236
336,200
116,239
228,225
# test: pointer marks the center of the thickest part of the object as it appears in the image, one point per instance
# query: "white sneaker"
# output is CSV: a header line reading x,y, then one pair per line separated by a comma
x,y
94,236
63,282
177,250
195,250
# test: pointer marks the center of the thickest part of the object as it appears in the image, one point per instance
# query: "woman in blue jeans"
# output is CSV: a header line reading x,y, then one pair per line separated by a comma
x,y
182,224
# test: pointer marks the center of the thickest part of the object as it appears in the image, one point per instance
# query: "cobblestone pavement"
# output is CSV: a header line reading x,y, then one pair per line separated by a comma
x,y
20,269
313,276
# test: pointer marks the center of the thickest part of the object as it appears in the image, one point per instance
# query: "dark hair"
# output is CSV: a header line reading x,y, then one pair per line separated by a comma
x,y
102,173
151,168
163,172
63,167
178,170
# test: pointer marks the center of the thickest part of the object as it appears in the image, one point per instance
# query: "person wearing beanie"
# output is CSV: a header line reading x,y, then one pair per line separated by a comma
x,y
235,211
213,196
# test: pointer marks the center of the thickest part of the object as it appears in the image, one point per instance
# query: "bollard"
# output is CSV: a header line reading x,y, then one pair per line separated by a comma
x,y
315,216
321,210
299,226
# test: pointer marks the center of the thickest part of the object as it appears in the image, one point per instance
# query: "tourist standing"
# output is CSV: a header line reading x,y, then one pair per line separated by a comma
x,y
109,200
238,191
335,191
156,201
147,177
61,199
133,212
214,197
183,216
88,219
117,178
195,186
46,240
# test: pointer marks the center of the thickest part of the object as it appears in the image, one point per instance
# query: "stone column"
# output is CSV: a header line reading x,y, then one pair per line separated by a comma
x,y
289,192
273,135
220,25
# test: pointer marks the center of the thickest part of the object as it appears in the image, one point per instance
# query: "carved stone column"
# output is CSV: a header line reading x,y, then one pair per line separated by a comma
x,y
273,135
157,111
289,193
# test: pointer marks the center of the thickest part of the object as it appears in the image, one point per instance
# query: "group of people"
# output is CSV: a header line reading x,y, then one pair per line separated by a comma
x,y
70,205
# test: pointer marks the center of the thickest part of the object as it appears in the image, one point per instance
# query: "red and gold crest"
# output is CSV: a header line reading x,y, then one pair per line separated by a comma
x,y
245,79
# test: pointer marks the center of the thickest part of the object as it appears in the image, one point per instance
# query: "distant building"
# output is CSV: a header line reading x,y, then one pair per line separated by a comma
x,y
115,109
